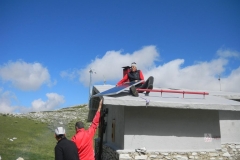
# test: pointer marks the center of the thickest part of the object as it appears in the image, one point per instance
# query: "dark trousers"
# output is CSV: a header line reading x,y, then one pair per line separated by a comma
x,y
146,84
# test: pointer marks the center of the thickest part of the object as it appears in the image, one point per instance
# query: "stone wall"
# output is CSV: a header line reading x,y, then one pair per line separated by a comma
x,y
227,152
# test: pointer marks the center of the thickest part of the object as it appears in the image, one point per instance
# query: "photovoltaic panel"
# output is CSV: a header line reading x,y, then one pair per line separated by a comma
x,y
117,89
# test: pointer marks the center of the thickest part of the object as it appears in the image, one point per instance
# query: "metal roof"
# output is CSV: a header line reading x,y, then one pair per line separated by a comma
x,y
214,101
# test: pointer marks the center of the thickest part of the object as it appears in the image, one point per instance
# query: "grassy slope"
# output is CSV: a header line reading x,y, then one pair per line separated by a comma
x,y
34,139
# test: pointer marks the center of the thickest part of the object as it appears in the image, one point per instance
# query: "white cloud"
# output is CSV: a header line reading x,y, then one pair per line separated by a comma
x,y
109,67
5,102
227,53
198,76
173,74
69,74
232,82
25,76
54,100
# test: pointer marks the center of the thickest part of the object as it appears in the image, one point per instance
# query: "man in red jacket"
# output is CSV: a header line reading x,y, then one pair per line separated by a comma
x,y
136,75
84,138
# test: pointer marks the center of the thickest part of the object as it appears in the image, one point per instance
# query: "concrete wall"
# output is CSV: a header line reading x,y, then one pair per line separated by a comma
x,y
117,113
230,126
165,129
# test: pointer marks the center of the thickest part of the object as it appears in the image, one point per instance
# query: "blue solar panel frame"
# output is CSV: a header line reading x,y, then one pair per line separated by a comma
x,y
117,89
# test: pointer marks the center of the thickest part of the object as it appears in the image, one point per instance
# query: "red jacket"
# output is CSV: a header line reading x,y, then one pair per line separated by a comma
x,y
126,79
84,139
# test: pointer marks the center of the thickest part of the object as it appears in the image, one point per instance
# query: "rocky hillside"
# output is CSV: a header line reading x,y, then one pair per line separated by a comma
x,y
65,117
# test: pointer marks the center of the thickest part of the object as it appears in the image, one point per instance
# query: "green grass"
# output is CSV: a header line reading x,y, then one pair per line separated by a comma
x,y
35,140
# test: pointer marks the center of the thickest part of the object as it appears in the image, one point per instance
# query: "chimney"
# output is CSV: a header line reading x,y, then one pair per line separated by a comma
x,y
126,69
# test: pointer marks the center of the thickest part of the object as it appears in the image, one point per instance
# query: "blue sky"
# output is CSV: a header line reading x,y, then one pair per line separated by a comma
x,y
48,47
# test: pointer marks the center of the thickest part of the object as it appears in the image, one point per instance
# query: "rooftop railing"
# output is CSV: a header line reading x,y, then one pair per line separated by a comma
x,y
173,91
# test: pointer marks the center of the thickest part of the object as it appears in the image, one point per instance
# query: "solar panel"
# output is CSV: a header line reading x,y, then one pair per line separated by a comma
x,y
117,89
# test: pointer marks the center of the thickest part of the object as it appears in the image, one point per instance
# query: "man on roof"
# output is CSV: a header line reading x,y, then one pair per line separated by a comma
x,y
136,75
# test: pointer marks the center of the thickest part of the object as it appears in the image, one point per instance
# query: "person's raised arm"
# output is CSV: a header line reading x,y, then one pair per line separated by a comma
x,y
93,127
100,106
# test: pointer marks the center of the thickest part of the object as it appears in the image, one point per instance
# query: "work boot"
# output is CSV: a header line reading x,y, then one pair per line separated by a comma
x,y
150,86
133,91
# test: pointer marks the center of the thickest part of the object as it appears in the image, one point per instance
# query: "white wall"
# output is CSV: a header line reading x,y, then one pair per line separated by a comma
x,y
230,126
166,129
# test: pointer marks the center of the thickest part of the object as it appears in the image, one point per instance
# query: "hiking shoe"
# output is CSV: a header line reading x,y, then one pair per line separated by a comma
x,y
150,86
133,91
